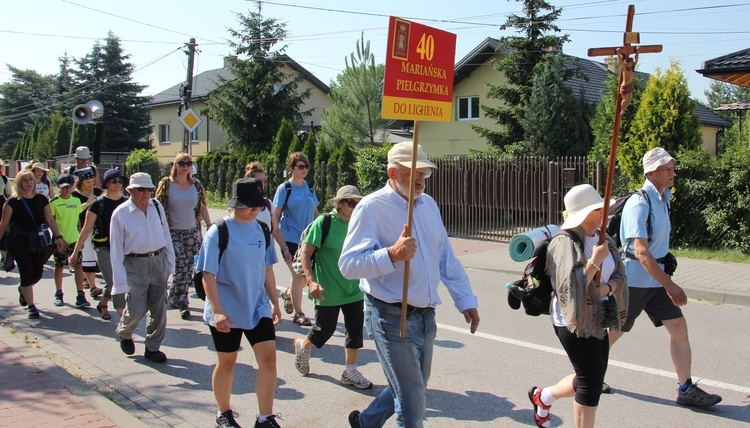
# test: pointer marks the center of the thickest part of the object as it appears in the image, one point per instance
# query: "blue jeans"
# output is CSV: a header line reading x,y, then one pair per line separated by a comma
x,y
407,363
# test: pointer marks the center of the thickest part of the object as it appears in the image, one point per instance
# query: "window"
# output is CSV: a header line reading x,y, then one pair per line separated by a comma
x,y
194,136
163,134
468,108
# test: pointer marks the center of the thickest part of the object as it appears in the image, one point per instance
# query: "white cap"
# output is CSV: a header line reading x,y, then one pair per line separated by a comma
x,y
655,158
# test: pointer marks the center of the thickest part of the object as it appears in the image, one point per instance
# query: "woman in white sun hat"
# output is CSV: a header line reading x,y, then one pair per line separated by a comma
x,y
43,183
582,309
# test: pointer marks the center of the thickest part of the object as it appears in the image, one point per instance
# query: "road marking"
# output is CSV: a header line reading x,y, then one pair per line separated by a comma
x,y
615,363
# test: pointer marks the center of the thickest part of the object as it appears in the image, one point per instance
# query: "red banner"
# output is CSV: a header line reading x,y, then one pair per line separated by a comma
x,y
418,72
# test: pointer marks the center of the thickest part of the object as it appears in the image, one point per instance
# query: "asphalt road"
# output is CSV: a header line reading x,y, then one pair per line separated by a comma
x,y
478,380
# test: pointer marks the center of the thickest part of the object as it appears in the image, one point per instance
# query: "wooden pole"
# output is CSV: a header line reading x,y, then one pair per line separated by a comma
x,y
409,222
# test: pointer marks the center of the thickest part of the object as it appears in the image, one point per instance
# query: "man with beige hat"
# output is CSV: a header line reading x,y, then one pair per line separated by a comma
x,y
140,249
647,263
82,157
375,250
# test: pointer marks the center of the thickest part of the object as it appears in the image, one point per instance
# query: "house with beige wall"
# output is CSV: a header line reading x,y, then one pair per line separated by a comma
x,y
471,75
167,131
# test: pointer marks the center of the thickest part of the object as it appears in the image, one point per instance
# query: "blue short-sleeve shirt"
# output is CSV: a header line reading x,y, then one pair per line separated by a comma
x,y
634,215
241,273
298,212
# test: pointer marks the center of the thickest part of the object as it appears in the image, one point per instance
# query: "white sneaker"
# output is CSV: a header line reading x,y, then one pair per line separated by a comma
x,y
301,357
355,378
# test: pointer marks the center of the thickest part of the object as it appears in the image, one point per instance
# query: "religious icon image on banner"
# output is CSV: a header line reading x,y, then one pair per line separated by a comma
x,y
401,40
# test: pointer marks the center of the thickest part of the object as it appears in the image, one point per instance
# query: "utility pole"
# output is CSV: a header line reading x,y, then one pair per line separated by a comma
x,y
186,91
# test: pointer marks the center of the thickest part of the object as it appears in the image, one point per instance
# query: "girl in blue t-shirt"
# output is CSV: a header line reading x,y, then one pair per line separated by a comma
x,y
296,207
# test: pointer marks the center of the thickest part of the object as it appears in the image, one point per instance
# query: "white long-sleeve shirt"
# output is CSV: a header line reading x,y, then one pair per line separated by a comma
x,y
377,223
133,232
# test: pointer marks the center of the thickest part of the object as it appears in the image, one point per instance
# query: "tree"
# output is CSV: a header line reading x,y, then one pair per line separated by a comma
x,y
666,118
357,96
602,124
23,100
555,120
720,93
283,140
105,75
522,55
250,106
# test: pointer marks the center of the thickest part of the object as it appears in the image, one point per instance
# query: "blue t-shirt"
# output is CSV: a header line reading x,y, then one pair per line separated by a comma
x,y
241,274
298,212
634,216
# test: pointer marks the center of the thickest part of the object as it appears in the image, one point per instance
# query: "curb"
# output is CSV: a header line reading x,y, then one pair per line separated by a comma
x,y
83,391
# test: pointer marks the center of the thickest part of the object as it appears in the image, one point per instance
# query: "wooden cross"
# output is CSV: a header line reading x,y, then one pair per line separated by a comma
x,y
624,95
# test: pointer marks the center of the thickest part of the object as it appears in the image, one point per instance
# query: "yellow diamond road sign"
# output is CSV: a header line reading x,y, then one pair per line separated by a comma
x,y
190,120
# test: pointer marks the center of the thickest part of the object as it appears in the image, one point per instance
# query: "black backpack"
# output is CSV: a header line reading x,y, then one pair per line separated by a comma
x,y
614,219
221,225
288,187
534,290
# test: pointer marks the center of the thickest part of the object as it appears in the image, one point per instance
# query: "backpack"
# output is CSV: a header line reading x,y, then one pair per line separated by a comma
x,y
614,219
297,258
223,229
288,187
534,290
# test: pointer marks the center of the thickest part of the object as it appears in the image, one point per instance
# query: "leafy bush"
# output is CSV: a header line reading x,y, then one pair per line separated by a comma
x,y
143,160
371,168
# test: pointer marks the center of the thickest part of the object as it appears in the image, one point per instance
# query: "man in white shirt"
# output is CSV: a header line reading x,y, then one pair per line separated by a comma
x,y
375,249
142,259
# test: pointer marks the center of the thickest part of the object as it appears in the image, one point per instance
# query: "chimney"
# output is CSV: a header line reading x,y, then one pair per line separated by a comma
x,y
612,64
227,63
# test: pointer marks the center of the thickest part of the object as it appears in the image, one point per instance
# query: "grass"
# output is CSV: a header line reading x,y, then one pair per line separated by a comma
x,y
213,200
732,256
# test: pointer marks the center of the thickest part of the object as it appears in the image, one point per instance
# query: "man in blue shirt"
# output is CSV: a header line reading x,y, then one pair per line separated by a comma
x,y
651,289
375,249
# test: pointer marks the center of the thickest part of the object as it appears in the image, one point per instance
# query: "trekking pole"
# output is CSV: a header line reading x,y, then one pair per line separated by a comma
x,y
409,222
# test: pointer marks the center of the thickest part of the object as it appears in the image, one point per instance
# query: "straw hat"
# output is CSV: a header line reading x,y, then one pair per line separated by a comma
x,y
579,202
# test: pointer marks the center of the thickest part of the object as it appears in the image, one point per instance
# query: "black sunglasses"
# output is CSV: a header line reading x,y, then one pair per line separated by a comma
x,y
185,163
351,202
302,166
117,181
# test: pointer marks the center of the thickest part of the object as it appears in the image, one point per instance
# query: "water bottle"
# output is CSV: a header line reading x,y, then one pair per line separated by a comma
x,y
517,292
195,263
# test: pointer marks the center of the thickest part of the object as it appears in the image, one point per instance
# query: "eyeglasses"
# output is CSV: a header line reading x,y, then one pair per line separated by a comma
x,y
420,174
185,163
117,181
302,166
351,202
140,190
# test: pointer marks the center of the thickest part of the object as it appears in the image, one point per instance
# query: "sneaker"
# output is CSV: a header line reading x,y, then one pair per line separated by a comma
x,y
301,357
184,311
33,313
226,419
355,378
694,396
354,419
127,346
155,356
535,396
81,301
58,298
270,422
21,299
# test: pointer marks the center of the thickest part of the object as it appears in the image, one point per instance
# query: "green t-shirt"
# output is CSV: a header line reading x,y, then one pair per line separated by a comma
x,y
337,290
65,212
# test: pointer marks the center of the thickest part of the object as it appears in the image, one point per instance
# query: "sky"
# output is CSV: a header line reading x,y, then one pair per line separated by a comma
x,y
320,34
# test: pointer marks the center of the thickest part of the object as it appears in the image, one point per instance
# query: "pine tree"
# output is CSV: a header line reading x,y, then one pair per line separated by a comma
x,y
250,106
666,118
105,75
283,140
357,96
521,54
555,120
